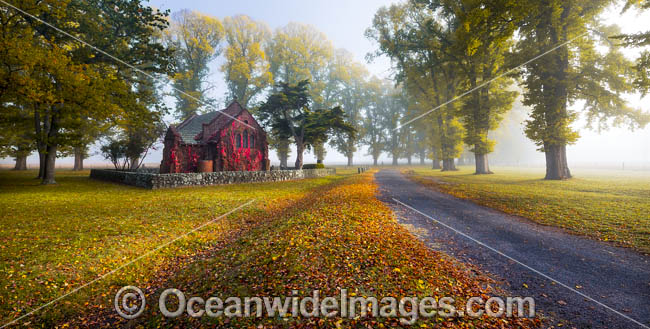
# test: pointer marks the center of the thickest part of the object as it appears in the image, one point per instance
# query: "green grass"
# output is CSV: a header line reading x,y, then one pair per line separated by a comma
x,y
55,238
344,170
607,205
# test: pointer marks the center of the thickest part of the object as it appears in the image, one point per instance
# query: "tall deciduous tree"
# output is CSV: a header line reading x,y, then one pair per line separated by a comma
x,y
482,40
411,35
16,134
247,68
419,141
395,113
125,29
141,126
577,71
374,136
62,82
300,52
346,86
68,93
196,39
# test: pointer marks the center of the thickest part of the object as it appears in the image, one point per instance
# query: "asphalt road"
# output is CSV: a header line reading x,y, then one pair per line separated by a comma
x,y
616,277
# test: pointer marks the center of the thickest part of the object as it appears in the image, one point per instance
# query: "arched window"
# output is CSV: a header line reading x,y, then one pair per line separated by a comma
x,y
252,141
238,138
246,139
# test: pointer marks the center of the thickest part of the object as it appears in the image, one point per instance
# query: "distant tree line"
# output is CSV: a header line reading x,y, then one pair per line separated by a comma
x,y
442,49
60,96
74,95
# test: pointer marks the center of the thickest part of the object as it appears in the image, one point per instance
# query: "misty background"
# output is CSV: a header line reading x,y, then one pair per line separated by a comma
x,y
344,23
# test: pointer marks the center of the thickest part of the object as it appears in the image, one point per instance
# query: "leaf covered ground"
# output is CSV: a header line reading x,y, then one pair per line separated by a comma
x,y
55,238
327,234
611,206
337,237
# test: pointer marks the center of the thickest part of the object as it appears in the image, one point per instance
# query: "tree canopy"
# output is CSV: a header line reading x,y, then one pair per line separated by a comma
x,y
195,39
64,85
458,57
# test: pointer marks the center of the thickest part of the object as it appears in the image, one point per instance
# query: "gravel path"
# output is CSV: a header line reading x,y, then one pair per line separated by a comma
x,y
616,277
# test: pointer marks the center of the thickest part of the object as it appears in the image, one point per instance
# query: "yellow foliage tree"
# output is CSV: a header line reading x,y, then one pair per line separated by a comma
x,y
196,39
300,52
246,68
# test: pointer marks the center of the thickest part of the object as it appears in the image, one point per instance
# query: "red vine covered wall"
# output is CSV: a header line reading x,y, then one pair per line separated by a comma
x,y
237,145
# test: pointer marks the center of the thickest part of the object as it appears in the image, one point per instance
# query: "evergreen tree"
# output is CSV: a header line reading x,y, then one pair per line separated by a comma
x,y
288,113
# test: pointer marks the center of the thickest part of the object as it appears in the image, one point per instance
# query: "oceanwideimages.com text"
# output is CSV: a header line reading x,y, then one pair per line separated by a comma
x,y
130,303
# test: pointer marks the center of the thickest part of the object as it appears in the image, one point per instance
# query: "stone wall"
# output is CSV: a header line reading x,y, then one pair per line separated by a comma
x,y
152,180
135,178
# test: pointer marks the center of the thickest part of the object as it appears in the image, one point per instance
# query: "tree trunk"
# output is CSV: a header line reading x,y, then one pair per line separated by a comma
x,y
134,163
556,161
300,149
434,156
422,157
394,160
50,150
482,166
557,167
409,159
284,157
50,161
78,159
350,156
21,162
282,148
41,164
40,145
448,165
320,154
374,161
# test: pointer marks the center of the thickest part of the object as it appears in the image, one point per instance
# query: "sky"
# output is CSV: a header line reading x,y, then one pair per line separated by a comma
x,y
344,23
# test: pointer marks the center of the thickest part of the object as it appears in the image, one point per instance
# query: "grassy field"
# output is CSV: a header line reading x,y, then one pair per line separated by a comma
x,y
326,234
610,206
55,238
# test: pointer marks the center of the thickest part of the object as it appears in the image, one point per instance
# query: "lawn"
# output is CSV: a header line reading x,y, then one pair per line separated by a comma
x,y
327,234
55,238
611,206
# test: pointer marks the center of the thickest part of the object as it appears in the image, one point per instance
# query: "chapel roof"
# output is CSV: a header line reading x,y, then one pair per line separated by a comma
x,y
191,127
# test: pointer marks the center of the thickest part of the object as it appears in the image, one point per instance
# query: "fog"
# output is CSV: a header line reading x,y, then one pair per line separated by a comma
x,y
344,22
